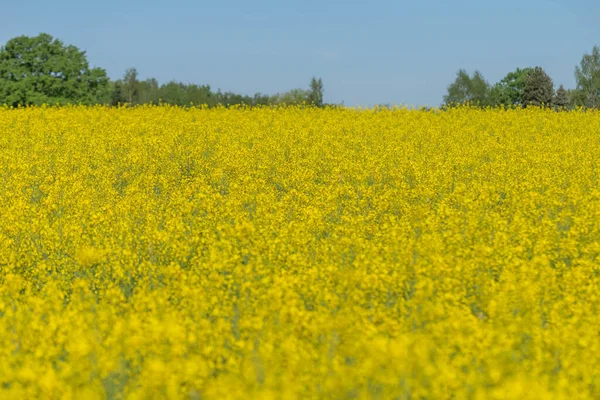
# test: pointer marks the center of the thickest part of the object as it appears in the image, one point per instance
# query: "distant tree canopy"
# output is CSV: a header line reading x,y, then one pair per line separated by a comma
x,y
538,89
315,94
130,85
576,98
294,96
530,86
587,75
561,98
509,91
41,69
468,89
132,91
521,87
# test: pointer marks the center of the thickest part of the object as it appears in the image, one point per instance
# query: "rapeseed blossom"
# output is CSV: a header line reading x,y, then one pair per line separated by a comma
x,y
162,252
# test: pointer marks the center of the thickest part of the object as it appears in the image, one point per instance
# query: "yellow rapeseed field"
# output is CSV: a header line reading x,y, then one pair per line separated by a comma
x,y
162,252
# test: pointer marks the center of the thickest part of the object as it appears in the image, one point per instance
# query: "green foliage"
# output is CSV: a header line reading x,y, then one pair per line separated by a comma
x,y
230,99
183,94
509,91
42,70
315,95
130,85
538,89
468,89
260,99
148,91
576,98
39,70
561,98
587,75
133,91
115,89
294,96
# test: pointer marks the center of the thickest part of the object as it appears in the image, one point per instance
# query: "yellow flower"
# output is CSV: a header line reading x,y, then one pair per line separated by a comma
x,y
89,256
298,252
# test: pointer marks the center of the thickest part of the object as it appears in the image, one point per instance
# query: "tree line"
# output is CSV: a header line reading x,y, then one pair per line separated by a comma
x,y
44,70
529,86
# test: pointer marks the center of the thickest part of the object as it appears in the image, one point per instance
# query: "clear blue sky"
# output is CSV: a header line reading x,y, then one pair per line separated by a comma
x,y
402,52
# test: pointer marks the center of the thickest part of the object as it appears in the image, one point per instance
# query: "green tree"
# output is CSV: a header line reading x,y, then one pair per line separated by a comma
x,y
116,93
509,91
41,69
130,85
576,98
294,96
231,99
587,75
561,98
173,93
148,91
198,94
260,99
315,95
468,89
538,89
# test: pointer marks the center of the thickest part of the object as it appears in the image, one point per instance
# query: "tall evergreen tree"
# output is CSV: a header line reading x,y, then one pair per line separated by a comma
x,y
561,98
538,89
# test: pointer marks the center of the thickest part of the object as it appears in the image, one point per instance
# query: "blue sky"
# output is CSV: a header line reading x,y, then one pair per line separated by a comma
x,y
377,52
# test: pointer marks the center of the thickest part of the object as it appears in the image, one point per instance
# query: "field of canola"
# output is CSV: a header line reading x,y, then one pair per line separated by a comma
x,y
160,252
